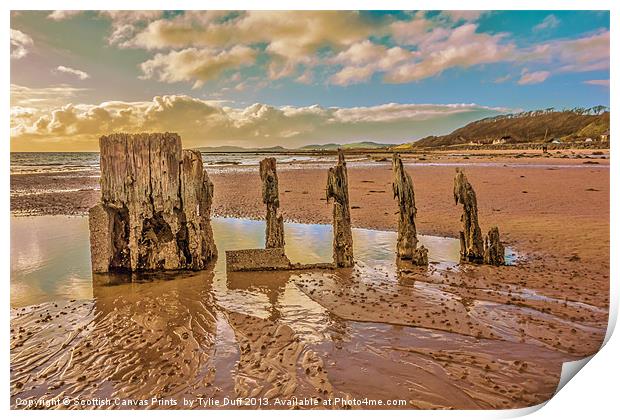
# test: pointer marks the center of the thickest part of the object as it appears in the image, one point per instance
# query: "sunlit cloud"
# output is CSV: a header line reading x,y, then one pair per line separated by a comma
x,y
45,98
20,44
442,49
198,65
203,122
531,78
550,22
598,82
587,53
82,75
59,15
463,15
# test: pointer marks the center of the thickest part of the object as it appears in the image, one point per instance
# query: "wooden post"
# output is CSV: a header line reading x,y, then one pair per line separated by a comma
x,y
155,210
407,243
274,229
471,238
338,190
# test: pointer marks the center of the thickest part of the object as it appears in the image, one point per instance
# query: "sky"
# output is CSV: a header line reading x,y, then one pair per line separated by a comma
x,y
260,78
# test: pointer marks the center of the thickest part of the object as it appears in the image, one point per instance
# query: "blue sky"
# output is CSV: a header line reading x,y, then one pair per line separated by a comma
x,y
266,78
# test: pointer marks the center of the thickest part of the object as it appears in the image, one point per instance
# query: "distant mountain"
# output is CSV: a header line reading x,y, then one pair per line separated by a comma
x,y
335,146
329,146
238,149
526,127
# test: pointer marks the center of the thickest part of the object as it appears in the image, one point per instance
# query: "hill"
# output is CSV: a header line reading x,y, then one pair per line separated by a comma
x,y
335,146
527,127
238,149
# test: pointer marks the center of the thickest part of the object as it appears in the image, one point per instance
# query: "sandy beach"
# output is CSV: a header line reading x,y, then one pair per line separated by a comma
x,y
452,336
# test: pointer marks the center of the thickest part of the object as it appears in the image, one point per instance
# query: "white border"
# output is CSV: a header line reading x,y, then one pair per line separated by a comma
x,y
593,394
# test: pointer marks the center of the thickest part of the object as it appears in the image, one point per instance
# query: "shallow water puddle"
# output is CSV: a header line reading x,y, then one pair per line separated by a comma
x,y
50,256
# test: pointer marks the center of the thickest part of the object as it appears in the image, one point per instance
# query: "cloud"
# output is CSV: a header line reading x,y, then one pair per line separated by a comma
x,y
335,47
124,23
588,53
598,82
45,98
437,50
20,42
502,79
199,65
82,75
463,15
202,122
59,15
550,22
443,49
289,39
363,59
531,78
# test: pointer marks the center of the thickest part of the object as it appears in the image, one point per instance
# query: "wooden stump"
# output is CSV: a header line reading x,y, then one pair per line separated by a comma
x,y
473,248
471,237
274,225
156,204
407,242
493,249
338,190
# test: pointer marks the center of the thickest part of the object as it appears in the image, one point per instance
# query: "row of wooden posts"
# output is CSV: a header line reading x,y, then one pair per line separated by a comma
x,y
474,248
155,213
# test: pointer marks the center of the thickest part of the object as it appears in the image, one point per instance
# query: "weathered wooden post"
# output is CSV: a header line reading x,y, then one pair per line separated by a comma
x,y
274,229
473,248
407,243
155,209
338,190
493,249
471,238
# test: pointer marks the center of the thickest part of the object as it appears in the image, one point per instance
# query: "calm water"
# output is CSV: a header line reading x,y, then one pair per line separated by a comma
x,y
50,256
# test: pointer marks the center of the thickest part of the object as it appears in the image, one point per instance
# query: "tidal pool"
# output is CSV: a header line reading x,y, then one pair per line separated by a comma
x,y
50,255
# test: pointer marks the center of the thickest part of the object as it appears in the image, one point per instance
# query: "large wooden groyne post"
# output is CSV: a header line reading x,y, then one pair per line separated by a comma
x,y
155,209
338,190
407,242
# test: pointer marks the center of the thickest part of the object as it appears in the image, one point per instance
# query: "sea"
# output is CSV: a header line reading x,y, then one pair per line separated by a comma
x,y
44,162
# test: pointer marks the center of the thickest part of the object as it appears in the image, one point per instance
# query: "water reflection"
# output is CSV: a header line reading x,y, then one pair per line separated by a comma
x,y
50,259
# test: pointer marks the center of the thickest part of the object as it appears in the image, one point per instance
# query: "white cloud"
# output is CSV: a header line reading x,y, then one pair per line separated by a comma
x,y
20,42
463,15
442,49
63,14
202,122
588,53
364,59
598,82
45,98
550,22
82,75
531,78
199,65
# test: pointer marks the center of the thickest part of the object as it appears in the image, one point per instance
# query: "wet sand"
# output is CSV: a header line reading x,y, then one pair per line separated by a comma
x,y
455,336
